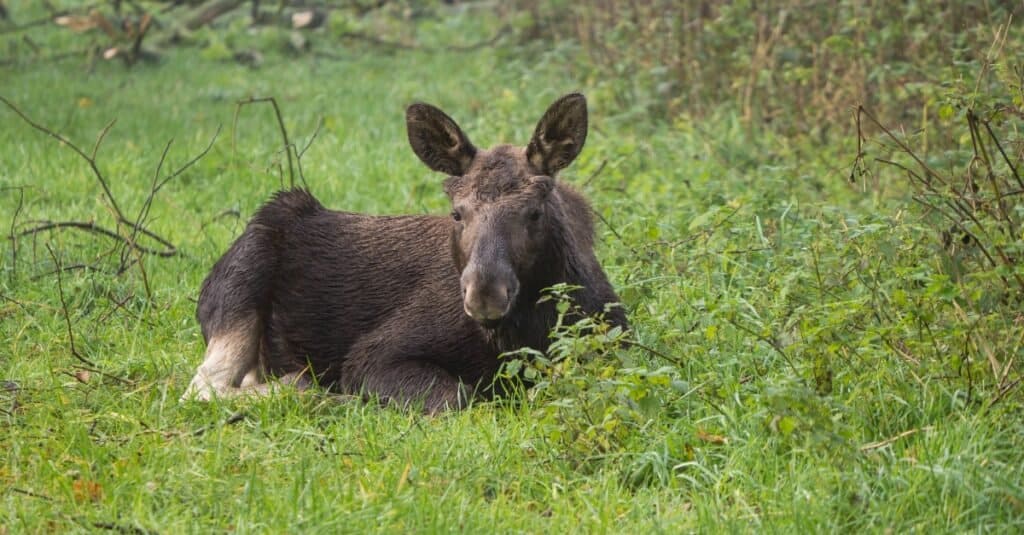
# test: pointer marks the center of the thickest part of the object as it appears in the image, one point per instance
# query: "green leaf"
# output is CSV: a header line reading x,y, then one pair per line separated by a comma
x,y
786,425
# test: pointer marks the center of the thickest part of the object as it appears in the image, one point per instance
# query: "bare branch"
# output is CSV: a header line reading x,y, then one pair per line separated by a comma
x,y
89,226
288,147
11,235
207,13
89,365
90,160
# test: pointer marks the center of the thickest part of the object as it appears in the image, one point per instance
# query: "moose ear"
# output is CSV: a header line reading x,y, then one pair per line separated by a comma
x,y
560,134
437,140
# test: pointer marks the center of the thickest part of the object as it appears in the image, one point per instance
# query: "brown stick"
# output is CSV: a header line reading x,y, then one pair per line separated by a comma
x,y
89,365
890,440
1006,158
288,147
300,153
89,226
158,184
397,45
929,172
14,224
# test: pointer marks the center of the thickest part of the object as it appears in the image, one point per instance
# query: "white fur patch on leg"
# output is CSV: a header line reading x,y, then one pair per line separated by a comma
x,y
253,378
231,359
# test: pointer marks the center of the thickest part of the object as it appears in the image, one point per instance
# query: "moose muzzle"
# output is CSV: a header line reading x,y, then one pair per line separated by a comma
x,y
488,292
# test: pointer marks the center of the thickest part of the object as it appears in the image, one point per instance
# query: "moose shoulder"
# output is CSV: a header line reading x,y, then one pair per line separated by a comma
x,y
413,309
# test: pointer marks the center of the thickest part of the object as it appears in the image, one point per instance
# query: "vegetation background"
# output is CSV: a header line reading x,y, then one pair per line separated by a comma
x,y
812,211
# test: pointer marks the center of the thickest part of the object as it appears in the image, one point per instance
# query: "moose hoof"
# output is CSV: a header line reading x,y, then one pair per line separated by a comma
x,y
200,389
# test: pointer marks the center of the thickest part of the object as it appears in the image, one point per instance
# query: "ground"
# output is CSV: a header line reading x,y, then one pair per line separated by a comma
x,y
710,236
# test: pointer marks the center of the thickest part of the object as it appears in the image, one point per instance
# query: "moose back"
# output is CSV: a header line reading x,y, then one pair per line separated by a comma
x,y
412,309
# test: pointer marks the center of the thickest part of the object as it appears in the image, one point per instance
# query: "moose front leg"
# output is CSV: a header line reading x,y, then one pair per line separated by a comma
x,y
407,382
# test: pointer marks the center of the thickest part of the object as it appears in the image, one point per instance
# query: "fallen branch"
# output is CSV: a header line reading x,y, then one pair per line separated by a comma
x,y
89,365
113,526
52,57
31,494
397,45
128,231
206,14
67,267
36,22
89,226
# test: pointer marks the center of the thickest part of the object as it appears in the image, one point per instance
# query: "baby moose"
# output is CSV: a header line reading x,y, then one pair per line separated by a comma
x,y
411,309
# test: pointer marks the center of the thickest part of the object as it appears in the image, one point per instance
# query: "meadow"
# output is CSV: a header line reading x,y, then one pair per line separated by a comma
x,y
812,352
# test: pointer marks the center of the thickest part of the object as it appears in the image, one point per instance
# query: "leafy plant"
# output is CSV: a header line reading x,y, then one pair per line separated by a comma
x,y
590,398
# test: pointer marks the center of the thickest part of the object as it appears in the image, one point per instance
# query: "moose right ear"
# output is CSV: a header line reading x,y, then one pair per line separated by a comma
x,y
437,140
560,135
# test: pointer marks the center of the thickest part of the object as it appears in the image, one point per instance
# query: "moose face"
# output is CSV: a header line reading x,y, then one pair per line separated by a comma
x,y
504,203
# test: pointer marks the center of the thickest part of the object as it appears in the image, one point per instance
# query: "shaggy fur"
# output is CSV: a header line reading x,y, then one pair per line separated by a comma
x,y
413,309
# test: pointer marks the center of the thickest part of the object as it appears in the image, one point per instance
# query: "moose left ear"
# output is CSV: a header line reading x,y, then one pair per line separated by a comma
x,y
560,134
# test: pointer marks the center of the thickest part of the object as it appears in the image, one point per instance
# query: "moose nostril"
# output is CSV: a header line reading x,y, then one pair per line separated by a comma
x,y
487,303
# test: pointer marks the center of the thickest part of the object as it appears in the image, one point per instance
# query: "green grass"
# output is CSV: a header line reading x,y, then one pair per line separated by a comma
x,y
722,244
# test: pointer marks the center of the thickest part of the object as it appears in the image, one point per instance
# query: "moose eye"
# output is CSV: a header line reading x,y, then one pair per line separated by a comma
x,y
456,215
534,215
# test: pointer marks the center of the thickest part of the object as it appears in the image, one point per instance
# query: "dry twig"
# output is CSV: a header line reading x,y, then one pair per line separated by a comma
x,y
892,439
88,364
288,147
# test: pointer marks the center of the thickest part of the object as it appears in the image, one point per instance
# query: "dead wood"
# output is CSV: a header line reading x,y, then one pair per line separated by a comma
x,y
128,231
209,12
88,365
92,227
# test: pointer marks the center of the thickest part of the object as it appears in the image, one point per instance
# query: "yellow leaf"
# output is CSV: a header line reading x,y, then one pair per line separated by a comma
x,y
405,477
710,332
86,490
710,438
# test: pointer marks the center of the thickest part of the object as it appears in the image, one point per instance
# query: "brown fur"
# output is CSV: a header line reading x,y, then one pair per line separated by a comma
x,y
412,308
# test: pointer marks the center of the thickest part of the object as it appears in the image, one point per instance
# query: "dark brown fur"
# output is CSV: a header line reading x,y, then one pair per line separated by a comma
x,y
382,305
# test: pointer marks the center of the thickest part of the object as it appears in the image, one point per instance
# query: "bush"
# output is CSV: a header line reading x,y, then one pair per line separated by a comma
x,y
795,66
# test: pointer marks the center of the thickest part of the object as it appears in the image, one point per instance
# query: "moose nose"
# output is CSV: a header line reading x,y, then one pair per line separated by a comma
x,y
487,303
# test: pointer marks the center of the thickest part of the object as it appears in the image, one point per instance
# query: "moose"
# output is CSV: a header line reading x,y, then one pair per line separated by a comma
x,y
410,309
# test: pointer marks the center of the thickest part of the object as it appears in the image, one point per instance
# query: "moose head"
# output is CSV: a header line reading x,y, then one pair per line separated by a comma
x,y
505,203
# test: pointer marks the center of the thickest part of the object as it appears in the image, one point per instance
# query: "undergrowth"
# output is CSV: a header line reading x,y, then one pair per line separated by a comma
x,y
826,328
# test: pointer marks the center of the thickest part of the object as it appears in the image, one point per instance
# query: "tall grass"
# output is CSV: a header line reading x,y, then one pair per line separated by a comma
x,y
810,353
